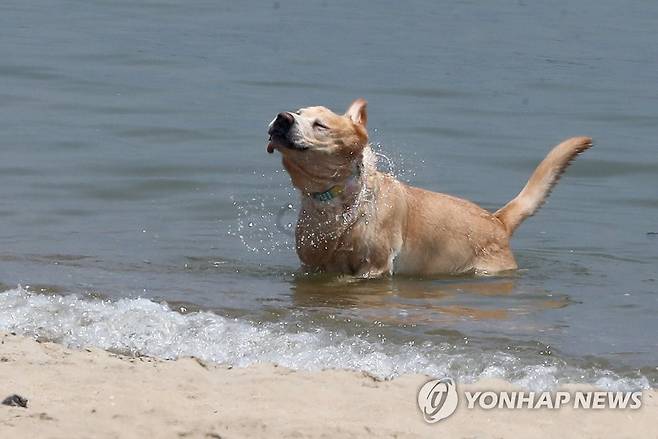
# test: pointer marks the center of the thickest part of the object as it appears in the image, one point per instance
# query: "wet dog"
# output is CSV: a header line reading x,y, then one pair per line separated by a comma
x,y
359,221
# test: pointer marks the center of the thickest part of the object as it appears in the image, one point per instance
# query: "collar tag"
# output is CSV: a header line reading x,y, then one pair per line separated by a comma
x,y
337,190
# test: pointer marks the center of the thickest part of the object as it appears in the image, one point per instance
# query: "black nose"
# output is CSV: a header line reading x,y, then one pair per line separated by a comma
x,y
282,123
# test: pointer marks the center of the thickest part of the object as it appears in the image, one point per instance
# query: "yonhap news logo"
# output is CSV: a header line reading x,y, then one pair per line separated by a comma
x,y
438,399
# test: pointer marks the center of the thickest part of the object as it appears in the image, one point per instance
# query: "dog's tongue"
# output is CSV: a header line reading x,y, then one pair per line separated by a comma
x,y
270,146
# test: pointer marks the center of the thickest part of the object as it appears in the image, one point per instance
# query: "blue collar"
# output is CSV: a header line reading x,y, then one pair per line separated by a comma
x,y
339,189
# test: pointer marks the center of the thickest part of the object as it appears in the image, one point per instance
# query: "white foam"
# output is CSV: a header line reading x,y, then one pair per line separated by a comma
x,y
143,327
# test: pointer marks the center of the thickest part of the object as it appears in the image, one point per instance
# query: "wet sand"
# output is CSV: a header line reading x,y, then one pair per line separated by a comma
x,y
94,393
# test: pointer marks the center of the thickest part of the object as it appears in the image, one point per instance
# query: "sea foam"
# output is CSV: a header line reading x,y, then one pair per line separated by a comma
x,y
143,327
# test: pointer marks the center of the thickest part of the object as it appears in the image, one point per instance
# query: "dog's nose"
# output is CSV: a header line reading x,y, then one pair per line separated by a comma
x,y
282,123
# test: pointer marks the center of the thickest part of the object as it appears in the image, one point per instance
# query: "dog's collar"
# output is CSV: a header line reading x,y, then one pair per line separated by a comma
x,y
339,189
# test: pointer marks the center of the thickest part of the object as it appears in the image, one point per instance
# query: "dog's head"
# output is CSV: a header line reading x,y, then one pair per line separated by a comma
x,y
318,145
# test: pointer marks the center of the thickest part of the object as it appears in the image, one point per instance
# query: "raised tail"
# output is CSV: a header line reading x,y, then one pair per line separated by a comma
x,y
541,182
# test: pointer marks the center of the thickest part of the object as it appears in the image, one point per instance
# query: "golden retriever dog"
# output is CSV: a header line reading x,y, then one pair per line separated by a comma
x,y
359,221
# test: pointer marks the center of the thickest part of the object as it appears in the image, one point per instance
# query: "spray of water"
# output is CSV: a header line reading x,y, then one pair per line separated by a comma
x,y
265,223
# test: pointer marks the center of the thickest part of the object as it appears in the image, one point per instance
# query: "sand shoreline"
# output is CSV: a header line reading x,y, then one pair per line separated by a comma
x,y
94,393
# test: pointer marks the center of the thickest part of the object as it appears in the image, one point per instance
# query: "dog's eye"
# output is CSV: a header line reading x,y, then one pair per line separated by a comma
x,y
298,112
318,124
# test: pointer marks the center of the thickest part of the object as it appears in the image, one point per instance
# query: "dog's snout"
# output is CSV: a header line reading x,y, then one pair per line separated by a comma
x,y
285,119
282,123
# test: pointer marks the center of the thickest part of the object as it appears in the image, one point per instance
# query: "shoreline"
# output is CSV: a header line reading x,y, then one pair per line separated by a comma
x,y
95,393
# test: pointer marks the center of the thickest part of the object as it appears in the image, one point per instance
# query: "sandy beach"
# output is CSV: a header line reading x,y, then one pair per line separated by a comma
x,y
94,393
175,263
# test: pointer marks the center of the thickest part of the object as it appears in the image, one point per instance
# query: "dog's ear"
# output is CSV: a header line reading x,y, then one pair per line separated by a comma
x,y
358,112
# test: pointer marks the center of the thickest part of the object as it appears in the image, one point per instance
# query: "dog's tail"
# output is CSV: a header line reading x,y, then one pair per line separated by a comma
x,y
541,182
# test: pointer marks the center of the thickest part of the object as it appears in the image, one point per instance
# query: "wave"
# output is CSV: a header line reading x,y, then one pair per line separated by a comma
x,y
143,327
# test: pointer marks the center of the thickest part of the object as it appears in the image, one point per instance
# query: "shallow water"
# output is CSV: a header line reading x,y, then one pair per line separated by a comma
x,y
133,164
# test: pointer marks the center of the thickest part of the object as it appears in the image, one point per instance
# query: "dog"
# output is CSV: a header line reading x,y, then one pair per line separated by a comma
x,y
359,221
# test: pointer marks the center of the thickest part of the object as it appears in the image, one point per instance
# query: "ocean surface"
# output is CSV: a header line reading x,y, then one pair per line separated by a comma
x,y
140,212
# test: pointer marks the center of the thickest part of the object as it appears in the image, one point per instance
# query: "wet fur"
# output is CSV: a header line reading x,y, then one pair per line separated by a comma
x,y
389,227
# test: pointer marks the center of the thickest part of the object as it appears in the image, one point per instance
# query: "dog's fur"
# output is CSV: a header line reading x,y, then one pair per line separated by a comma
x,y
379,225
